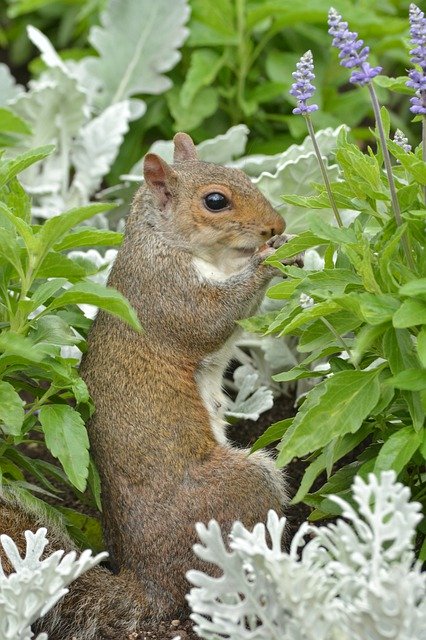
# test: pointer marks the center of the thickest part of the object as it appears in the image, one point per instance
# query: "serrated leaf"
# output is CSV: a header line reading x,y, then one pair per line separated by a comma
x,y
339,404
66,438
104,297
322,229
398,450
131,58
11,410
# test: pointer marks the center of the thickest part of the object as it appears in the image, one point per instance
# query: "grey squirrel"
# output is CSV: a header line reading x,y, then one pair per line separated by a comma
x,y
192,265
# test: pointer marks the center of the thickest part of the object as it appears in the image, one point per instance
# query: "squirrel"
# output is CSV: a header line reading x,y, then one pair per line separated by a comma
x,y
192,265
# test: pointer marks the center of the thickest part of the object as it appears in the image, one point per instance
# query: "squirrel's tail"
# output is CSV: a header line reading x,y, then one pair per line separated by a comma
x,y
99,605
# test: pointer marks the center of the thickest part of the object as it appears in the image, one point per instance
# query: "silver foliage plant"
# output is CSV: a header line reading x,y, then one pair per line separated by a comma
x,y
352,580
36,585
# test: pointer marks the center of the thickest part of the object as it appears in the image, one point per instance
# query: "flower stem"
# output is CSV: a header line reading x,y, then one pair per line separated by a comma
x,y
323,171
424,151
388,168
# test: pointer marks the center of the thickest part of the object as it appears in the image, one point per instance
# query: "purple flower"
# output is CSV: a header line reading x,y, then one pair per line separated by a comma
x,y
402,140
353,54
303,89
418,57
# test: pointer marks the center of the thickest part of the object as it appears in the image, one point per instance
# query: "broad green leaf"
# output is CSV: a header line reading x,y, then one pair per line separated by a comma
x,y
377,309
203,69
298,373
131,31
343,446
12,167
212,24
56,228
21,226
323,230
11,410
11,123
204,104
104,297
320,309
398,450
88,237
66,438
421,346
57,265
398,85
410,380
414,289
10,250
283,290
296,245
336,406
45,291
54,330
317,336
410,313
272,434
409,161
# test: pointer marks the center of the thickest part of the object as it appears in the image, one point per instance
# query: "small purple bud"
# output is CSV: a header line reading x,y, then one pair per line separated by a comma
x,y
417,79
302,89
353,54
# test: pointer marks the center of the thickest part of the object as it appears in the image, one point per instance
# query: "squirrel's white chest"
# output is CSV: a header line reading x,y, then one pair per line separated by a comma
x,y
220,271
209,379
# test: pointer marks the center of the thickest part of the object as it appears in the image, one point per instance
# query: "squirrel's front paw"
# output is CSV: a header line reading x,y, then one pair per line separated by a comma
x,y
274,243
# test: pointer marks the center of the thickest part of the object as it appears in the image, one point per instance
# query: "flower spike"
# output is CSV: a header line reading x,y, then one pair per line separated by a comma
x,y
353,54
417,79
303,89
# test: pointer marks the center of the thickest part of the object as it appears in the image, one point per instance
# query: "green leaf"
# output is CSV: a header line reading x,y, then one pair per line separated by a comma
x,y
414,289
409,314
11,123
203,69
53,330
320,228
11,409
296,245
204,104
66,438
272,434
56,228
421,346
336,406
320,309
46,291
11,168
88,237
409,161
377,308
56,265
10,250
104,297
410,380
398,85
398,450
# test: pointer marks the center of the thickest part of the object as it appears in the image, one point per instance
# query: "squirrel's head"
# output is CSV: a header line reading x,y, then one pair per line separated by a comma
x,y
206,207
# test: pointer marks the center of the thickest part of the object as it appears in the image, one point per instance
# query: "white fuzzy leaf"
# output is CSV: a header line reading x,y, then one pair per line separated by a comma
x,y
137,42
252,399
9,89
36,585
338,582
225,147
96,148
47,50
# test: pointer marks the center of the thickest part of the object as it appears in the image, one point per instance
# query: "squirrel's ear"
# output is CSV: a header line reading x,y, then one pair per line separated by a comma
x,y
185,150
159,178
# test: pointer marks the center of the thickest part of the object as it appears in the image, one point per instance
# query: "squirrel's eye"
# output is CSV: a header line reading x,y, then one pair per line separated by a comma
x,y
216,201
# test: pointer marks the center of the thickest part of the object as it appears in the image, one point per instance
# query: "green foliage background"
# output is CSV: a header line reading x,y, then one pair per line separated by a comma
x,y
234,68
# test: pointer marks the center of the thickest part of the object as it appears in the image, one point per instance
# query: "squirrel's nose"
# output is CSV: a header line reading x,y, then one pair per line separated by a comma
x,y
276,228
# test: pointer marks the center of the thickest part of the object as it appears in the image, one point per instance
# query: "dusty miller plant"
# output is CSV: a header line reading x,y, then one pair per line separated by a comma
x,y
351,580
36,585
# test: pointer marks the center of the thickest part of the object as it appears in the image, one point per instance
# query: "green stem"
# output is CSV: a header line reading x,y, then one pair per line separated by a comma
x,y
323,171
339,339
242,58
424,151
388,167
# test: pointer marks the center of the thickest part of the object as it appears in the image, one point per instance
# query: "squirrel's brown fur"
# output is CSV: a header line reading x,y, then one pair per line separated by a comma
x,y
157,435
